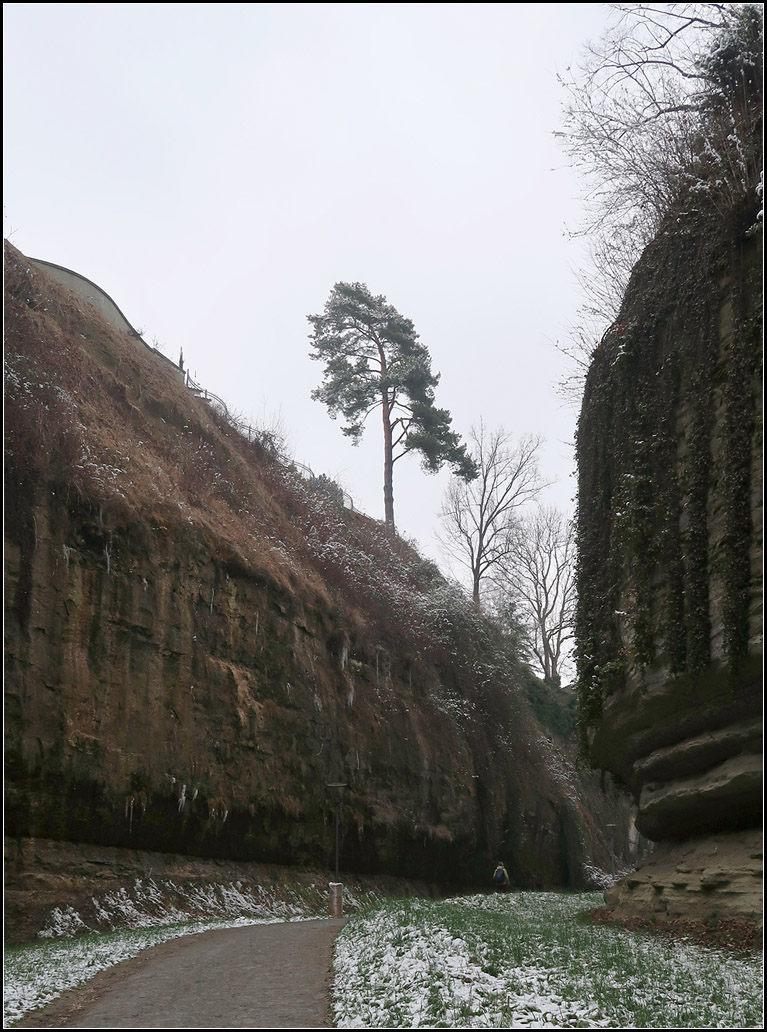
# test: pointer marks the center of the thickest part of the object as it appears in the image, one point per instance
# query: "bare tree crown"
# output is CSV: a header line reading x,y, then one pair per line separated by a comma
x,y
478,517
539,575
667,96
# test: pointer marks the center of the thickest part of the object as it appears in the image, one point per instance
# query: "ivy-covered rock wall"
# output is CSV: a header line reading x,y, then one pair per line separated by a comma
x,y
669,529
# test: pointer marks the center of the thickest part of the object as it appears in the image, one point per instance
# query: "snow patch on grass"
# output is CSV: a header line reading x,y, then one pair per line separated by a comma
x,y
526,960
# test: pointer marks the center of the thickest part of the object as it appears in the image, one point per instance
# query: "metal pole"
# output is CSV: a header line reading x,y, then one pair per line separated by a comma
x,y
338,820
338,788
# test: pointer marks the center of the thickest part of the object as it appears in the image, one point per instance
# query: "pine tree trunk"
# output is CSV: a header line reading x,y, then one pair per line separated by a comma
x,y
388,466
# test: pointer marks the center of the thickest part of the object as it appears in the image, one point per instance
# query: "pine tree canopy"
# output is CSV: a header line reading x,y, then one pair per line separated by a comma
x,y
373,358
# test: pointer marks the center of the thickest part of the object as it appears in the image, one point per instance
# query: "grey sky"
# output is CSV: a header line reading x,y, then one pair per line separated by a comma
x,y
217,168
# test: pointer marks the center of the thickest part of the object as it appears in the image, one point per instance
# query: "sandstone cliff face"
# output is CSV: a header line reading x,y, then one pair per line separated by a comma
x,y
197,642
670,521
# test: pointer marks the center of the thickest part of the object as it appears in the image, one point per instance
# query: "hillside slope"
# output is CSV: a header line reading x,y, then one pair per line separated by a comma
x,y
198,641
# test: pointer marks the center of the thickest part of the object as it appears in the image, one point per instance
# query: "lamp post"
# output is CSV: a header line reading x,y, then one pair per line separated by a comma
x,y
338,787
336,889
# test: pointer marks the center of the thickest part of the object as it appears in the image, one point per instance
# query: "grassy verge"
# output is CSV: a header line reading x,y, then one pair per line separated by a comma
x,y
527,959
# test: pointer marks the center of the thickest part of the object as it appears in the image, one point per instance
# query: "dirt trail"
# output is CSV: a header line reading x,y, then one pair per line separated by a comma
x,y
259,976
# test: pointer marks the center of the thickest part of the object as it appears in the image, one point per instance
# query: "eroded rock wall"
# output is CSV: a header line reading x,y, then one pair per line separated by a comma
x,y
166,699
670,538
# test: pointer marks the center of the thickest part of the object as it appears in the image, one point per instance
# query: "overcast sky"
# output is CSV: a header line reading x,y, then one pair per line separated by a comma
x,y
217,168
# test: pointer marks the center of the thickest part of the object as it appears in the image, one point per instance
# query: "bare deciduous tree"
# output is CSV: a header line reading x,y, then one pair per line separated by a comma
x,y
478,517
538,575
668,94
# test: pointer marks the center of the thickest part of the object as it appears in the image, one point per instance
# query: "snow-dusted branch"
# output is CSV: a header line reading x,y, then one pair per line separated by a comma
x,y
662,117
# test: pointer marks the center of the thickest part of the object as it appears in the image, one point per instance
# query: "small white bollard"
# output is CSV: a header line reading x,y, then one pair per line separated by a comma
x,y
336,899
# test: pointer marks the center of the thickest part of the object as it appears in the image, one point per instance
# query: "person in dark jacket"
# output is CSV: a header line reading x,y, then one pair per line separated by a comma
x,y
501,880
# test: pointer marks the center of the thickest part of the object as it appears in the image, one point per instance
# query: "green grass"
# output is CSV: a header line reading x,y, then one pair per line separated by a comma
x,y
475,962
494,961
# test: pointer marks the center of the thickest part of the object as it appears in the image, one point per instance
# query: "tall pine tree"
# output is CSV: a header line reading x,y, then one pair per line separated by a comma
x,y
373,359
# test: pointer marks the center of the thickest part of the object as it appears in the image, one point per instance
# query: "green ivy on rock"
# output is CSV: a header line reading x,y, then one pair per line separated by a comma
x,y
665,439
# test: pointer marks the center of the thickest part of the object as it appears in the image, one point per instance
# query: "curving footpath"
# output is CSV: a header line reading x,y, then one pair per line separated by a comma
x,y
258,976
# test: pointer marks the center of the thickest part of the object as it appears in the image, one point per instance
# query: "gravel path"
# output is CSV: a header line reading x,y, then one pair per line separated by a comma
x,y
258,976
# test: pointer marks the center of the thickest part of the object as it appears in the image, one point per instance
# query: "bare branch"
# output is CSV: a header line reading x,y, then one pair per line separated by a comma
x,y
538,576
644,109
478,517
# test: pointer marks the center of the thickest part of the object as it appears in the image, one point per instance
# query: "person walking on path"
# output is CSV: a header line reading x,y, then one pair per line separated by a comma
x,y
501,880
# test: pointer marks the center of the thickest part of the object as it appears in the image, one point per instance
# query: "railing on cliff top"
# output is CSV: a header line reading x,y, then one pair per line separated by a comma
x,y
253,433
